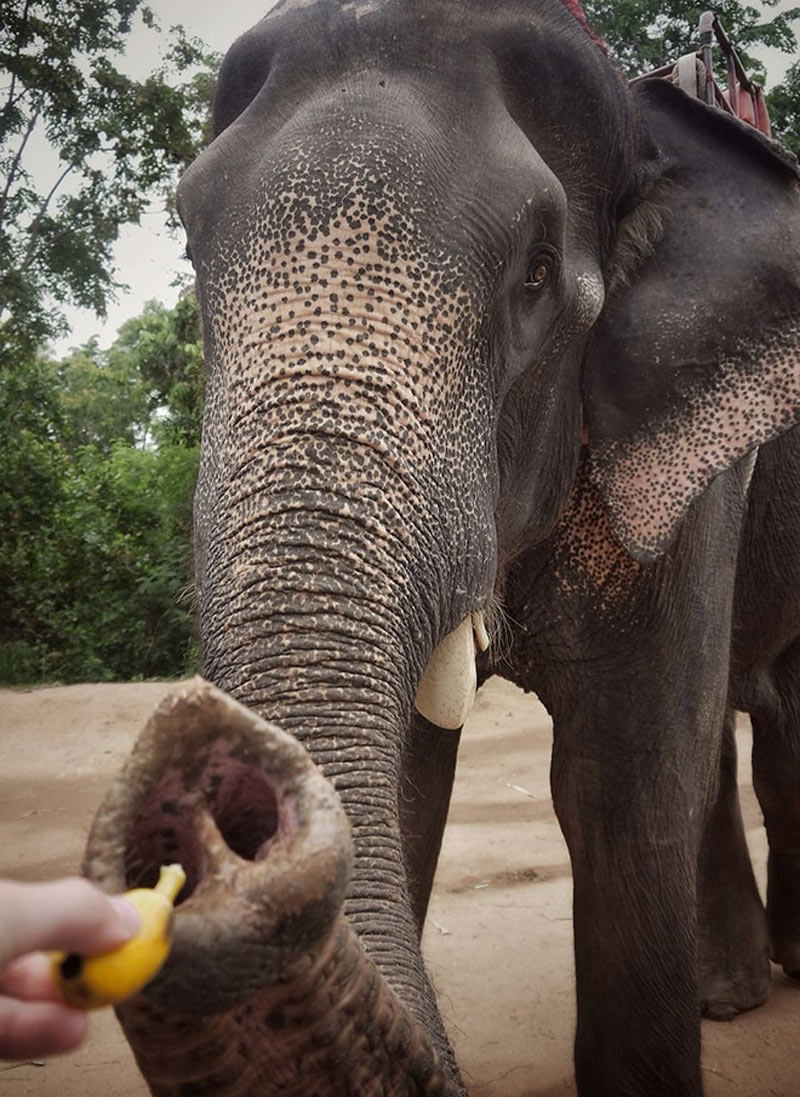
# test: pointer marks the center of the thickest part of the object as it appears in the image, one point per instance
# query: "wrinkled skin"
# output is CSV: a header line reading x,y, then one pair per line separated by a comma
x,y
463,352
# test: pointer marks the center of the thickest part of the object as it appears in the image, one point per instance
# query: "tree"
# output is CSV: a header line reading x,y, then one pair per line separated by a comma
x,y
119,144
784,108
164,347
101,457
100,405
645,34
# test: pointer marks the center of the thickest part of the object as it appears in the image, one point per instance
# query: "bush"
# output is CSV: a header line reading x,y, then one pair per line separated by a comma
x,y
95,539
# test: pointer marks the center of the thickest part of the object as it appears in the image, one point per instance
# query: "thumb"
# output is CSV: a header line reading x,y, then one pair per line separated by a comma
x,y
67,914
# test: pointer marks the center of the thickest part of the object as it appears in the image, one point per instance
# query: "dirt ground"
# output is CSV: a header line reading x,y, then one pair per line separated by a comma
x,y
498,938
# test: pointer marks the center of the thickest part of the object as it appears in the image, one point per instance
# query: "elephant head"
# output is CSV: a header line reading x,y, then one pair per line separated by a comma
x,y
399,258
403,232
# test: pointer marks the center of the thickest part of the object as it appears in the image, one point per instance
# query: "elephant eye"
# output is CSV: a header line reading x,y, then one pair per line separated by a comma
x,y
538,273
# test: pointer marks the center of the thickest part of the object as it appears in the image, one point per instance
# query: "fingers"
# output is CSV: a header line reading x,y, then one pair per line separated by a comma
x,y
31,1029
29,977
68,914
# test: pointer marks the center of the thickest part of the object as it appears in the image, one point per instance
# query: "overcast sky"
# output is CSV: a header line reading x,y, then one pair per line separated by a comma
x,y
148,258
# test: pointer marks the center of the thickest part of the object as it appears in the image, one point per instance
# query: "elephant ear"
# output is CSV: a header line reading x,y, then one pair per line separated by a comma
x,y
696,357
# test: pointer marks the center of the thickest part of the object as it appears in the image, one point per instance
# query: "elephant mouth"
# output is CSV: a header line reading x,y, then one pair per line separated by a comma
x,y
239,802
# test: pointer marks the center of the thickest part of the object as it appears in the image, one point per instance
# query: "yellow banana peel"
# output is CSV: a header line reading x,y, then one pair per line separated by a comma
x,y
91,982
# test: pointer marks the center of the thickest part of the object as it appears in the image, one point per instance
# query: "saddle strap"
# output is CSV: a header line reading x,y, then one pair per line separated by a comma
x,y
690,75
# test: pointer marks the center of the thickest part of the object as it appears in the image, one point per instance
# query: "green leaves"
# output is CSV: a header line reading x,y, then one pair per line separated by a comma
x,y
120,145
646,34
783,102
164,347
101,458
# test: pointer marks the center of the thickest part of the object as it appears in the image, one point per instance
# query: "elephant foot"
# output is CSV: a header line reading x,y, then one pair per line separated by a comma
x,y
784,942
783,906
734,970
787,955
725,995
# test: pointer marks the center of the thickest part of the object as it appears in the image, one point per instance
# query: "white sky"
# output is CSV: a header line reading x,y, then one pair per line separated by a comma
x,y
148,258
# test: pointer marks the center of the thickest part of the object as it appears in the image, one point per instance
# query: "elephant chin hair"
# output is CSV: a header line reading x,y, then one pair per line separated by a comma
x,y
267,989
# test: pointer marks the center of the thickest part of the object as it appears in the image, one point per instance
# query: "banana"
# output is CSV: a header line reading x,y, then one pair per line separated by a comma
x,y
91,982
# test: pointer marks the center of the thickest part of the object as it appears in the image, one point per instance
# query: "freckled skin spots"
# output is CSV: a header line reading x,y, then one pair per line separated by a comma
x,y
691,371
338,356
594,565
652,477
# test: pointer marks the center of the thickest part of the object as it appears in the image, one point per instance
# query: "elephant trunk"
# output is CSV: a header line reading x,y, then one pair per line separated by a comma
x,y
268,988
344,527
328,642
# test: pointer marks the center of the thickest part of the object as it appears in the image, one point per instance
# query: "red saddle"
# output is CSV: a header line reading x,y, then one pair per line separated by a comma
x,y
694,72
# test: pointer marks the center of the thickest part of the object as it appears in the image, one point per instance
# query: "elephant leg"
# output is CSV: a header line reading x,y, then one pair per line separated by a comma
x,y
632,662
733,946
776,776
634,856
426,784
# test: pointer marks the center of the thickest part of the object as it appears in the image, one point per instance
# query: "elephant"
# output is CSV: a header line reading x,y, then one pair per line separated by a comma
x,y
502,377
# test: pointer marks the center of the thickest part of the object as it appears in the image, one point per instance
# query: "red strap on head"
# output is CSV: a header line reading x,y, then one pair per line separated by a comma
x,y
575,9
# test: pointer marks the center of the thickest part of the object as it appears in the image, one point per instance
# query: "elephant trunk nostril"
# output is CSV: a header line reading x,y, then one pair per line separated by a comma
x,y
163,833
231,808
244,805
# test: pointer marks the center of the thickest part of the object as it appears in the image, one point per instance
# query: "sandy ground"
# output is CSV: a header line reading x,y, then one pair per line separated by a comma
x,y
498,939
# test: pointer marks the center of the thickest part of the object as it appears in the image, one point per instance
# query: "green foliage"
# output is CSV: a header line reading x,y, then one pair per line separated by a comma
x,y
646,34
146,388
784,108
101,448
165,346
101,404
95,507
120,144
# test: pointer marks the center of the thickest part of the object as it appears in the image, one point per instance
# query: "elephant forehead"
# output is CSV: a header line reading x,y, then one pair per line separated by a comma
x,y
339,269
344,161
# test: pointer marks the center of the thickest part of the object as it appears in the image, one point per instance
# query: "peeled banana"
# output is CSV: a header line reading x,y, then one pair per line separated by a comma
x,y
91,982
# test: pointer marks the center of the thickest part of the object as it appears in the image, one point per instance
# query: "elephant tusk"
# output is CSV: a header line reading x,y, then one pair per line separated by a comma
x,y
446,694
479,628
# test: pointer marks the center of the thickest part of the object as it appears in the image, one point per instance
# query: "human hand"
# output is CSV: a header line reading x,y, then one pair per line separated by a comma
x,y
71,915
